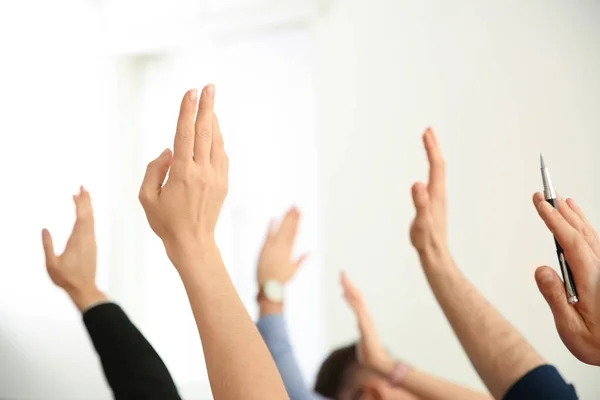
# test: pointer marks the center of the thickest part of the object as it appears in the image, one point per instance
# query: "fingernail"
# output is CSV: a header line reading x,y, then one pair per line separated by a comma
x,y
210,90
194,95
572,201
165,151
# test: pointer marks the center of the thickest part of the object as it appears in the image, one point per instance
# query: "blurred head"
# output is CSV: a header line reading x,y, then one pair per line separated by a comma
x,y
341,377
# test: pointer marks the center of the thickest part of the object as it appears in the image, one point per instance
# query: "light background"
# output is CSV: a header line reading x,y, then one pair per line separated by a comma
x,y
322,105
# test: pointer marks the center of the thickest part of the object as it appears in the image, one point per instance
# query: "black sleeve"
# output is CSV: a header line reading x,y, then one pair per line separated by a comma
x,y
132,367
544,383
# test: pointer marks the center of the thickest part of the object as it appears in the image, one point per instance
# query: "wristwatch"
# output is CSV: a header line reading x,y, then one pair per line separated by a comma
x,y
272,290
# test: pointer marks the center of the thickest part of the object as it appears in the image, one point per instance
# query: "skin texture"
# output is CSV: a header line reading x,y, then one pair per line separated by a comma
x,y
578,325
183,212
75,269
372,354
498,352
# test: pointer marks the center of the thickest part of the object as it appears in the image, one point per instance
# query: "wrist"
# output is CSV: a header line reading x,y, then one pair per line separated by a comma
x,y
435,256
86,297
385,366
267,307
187,253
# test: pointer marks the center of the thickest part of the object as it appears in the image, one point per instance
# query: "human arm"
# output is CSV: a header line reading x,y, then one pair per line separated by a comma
x,y
183,212
272,327
373,355
275,264
131,366
500,355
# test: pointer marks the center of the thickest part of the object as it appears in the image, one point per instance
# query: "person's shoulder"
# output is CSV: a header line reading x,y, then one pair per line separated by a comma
x,y
543,382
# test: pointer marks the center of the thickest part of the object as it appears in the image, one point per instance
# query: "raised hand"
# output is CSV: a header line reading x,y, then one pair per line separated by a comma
x,y
428,230
183,211
75,269
275,261
371,352
498,352
578,325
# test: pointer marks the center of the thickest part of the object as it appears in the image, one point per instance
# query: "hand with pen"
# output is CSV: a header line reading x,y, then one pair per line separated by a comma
x,y
507,364
578,325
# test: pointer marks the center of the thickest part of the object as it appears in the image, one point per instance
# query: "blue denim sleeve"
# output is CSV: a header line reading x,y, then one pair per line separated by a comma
x,y
274,333
543,382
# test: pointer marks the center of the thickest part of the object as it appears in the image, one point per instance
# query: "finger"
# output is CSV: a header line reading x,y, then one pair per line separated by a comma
x,y
272,229
183,146
552,288
289,226
351,292
83,205
49,253
204,125
588,227
354,298
584,227
217,150
437,174
420,198
537,198
567,236
156,172
570,216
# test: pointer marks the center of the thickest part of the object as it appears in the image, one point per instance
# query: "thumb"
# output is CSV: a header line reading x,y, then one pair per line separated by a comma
x,y
156,172
420,197
48,249
551,287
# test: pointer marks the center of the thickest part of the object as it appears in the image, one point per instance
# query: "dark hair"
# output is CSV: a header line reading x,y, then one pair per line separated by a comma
x,y
333,371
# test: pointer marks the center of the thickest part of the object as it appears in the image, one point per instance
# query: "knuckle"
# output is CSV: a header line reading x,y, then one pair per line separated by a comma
x,y
577,243
204,132
143,197
184,135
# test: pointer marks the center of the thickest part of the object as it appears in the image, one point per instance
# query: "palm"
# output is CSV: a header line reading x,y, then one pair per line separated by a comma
x,y
77,263
275,261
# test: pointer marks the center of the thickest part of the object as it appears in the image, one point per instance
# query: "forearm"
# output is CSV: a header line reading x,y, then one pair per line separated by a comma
x,y
238,362
428,387
132,367
272,328
498,352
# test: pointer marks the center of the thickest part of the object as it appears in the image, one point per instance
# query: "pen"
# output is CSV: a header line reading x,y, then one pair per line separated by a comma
x,y
550,197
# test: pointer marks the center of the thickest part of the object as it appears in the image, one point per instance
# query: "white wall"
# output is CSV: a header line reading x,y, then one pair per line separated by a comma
x,y
52,135
500,82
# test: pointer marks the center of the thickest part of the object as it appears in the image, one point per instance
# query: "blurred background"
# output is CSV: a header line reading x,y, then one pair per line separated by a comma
x,y
322,104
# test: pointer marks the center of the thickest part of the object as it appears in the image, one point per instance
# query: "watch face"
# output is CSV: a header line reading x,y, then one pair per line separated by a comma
x,y
273,291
